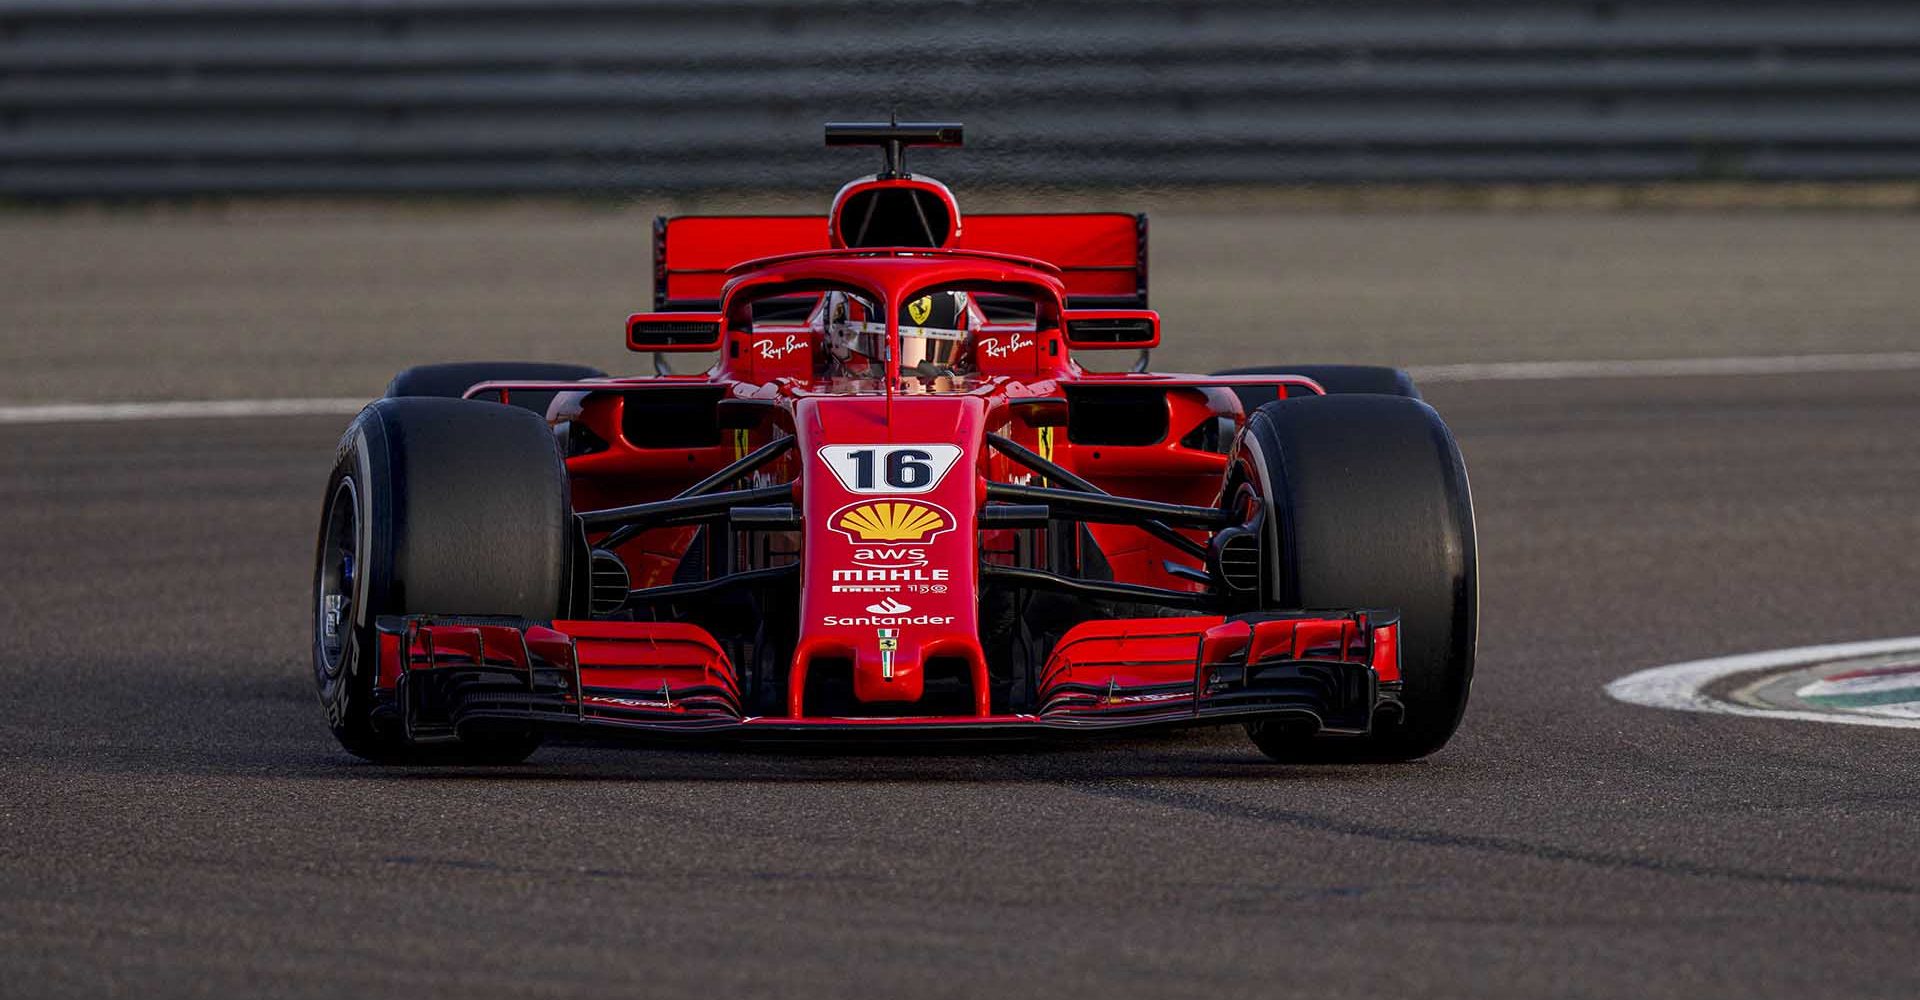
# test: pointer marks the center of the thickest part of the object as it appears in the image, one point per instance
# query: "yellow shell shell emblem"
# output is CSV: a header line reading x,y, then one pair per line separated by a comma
x,y
891,521
919,309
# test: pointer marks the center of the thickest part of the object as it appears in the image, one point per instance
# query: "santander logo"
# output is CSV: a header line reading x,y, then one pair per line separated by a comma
x,y
888,607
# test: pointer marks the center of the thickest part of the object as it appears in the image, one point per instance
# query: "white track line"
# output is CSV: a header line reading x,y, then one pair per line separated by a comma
x,y
1679,686
1794,364
1504,371
194,409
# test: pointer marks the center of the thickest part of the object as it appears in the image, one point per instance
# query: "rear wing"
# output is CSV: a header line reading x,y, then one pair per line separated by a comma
x,y
1103,254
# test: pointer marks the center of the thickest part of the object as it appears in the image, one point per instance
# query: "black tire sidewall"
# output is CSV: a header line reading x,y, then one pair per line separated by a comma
x,y
348,699
1369,507
466,477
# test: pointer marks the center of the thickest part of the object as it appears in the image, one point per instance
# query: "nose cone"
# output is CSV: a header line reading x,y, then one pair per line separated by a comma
x,y
889,567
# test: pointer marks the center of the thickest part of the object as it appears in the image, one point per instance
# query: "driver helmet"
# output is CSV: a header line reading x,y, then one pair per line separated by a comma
x,y
852,345
936,334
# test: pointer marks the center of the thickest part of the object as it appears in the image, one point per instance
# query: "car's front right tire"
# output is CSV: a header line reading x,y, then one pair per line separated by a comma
x,y
434,506
451,379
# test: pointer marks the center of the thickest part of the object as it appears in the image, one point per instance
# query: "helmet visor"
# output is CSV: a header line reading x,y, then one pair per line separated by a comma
x,y
928,346
932,331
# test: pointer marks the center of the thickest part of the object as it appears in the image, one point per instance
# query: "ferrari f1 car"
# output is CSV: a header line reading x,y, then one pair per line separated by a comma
x,y
896,506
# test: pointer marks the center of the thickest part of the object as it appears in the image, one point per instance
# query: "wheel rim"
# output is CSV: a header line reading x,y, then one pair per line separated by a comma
x,y
1245,500
339,562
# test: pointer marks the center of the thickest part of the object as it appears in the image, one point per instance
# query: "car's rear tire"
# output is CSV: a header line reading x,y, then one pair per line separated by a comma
x,y
1343,380
1369,507
435,506
454,378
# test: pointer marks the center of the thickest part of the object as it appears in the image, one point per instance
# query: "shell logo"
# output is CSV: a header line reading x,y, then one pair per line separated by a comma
x,y
891,521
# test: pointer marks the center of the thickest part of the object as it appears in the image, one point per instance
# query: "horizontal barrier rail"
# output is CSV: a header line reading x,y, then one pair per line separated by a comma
x,y
143,97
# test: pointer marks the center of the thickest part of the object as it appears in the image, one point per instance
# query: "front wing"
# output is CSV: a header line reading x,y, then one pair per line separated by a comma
x,y
438,675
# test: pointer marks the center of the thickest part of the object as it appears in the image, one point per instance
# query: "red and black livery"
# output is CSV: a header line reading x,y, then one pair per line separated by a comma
x,y
895,506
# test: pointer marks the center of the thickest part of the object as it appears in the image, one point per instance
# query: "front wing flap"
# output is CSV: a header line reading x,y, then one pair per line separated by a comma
x,y
439,675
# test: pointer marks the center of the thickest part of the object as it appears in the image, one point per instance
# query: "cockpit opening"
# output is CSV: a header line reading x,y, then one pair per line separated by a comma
x,y
946,332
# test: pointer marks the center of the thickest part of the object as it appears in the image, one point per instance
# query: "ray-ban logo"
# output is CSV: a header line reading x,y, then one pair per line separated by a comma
x,y
769,350
996,349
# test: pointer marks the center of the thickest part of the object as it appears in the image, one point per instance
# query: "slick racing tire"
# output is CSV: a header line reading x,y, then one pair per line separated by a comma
x,y
455,378
1343,380
435,506
1368,507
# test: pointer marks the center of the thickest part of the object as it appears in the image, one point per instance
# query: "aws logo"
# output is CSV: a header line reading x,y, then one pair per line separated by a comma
x,y
891,521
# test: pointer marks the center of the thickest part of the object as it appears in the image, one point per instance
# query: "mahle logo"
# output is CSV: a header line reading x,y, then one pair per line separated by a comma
x,y
891,521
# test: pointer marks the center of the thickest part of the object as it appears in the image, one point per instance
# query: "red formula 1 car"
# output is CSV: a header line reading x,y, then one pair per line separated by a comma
x,y
896,506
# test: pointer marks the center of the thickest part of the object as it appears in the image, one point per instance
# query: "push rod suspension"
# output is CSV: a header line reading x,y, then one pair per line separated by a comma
x,y
753,460
680,510
708,588
1035,579
1025,456
627,528
1109,509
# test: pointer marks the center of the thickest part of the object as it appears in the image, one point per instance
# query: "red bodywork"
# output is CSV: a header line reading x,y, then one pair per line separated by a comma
x,y
865,607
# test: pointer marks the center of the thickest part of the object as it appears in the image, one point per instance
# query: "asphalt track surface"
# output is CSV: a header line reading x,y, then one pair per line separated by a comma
x,y
175,820
296,300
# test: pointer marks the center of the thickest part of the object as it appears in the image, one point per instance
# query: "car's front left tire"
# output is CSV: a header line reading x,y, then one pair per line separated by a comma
x,y
1343,380
1368,506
